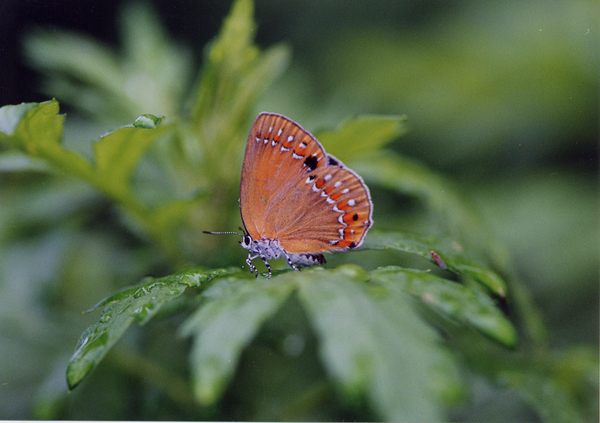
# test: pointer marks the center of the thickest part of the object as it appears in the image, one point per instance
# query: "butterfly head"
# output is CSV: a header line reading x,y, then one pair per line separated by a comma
x,y
265,249
246,241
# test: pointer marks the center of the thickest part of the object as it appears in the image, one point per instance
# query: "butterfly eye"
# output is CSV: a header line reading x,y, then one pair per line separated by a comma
x,y
246,241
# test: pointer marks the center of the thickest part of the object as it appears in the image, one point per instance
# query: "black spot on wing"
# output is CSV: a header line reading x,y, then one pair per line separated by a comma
x,y
332,161
311,162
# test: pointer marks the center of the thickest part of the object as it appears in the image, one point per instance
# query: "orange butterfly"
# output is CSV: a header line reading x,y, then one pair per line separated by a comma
x,y
296,200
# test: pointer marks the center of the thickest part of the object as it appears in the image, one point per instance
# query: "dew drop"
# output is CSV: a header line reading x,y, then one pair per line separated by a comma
x,y
156,285
83,342
148,121
140,292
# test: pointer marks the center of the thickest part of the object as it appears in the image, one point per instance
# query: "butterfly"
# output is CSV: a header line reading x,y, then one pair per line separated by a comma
x,y
297,202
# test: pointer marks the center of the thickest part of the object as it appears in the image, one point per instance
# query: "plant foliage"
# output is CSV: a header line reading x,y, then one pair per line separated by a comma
x,y
391,340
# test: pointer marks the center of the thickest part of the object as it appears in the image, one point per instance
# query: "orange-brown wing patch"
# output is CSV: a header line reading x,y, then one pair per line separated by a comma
x,y
278,153
335,215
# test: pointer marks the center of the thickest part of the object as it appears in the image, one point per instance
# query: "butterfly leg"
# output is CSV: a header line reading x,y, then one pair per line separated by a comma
x,y
253,268
289,260
264,259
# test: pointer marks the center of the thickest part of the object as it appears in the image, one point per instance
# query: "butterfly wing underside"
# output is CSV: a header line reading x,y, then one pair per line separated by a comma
x,y
293,192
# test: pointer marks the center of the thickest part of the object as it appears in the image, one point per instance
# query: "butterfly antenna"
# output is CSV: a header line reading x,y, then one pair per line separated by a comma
x,y
222,233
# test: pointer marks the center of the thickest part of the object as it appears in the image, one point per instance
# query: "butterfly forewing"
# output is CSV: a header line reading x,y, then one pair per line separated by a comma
x,y
293,192
270,169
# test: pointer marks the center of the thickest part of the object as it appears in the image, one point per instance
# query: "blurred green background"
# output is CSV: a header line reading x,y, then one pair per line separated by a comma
x,y
501,96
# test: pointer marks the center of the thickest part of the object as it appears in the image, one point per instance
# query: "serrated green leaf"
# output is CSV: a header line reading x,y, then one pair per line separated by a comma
x,y
373,343
561,387
139,303
229,60
234,74
455,257
406,176
453,301
362,134
265,69
40,129
38,132
232,314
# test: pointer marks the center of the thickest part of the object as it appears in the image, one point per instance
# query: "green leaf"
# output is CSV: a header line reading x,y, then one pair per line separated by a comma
x,y
362,134
233,312
233,64
451,251
409,177
36,129
234,74
172,213
454,213
118,152
139,303
373,343
453,301
399,367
